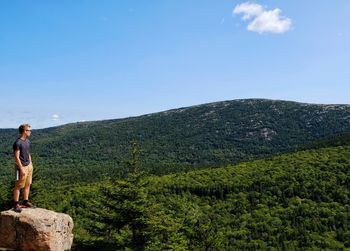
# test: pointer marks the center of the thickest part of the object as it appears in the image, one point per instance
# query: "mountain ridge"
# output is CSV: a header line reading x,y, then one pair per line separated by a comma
x,y
211,134
188,107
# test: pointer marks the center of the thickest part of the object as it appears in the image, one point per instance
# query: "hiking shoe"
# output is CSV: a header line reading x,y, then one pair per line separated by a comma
x,y
28,204
17,208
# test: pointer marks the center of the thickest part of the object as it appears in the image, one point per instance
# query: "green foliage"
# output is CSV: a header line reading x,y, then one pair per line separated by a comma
x,y
119,214
177,140
6,194
298,201
338,139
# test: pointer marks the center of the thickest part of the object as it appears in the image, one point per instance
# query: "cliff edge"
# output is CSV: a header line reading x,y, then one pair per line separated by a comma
x,y
36,229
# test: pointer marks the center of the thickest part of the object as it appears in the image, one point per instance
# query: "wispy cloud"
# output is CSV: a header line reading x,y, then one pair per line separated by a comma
x,y
263,20
55,117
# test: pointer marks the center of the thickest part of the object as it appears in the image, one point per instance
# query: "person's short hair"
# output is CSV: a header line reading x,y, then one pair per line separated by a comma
x,y
23,127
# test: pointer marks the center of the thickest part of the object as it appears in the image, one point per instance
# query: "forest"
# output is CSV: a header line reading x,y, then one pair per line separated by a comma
x,y
295,201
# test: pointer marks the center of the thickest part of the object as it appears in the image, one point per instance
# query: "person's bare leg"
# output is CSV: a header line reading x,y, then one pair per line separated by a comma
x,y
26,191
16,206
16,192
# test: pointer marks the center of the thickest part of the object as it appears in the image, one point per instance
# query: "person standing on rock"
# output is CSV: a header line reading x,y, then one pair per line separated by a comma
x,y
24,169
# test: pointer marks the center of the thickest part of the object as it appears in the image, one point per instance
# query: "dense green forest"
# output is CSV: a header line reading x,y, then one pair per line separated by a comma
x,y
338,139
296,201
282,188
177,140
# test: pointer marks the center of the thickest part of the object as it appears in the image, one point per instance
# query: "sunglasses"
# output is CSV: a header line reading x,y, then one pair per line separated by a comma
x,y
28,130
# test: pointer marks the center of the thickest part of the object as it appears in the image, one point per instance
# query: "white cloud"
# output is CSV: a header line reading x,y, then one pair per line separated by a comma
x,y
263,20
249,10
55,117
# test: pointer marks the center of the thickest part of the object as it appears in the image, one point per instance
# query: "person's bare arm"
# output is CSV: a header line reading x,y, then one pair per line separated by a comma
x,y
19,164
30,158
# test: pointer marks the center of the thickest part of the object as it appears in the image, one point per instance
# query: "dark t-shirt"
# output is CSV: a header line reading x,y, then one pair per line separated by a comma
x,y
23,147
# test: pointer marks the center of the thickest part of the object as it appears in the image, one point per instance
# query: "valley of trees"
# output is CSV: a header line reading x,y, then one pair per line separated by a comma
x,y
297,201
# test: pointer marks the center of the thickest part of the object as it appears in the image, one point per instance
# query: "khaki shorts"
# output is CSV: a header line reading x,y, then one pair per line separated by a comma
x,y
25,179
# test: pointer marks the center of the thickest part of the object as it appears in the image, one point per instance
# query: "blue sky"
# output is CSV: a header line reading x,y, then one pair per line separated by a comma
x,y
66,61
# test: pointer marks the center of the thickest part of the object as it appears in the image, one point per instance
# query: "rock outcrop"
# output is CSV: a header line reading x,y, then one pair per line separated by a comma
x,y
36,229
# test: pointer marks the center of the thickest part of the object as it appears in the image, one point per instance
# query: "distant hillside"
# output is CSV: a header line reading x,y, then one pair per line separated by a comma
x,y
211,134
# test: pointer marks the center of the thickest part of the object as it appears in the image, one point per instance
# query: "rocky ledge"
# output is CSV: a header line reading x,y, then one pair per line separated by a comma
x,y
35,229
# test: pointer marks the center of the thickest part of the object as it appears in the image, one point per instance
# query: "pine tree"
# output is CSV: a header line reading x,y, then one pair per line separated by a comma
x,y
120,214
